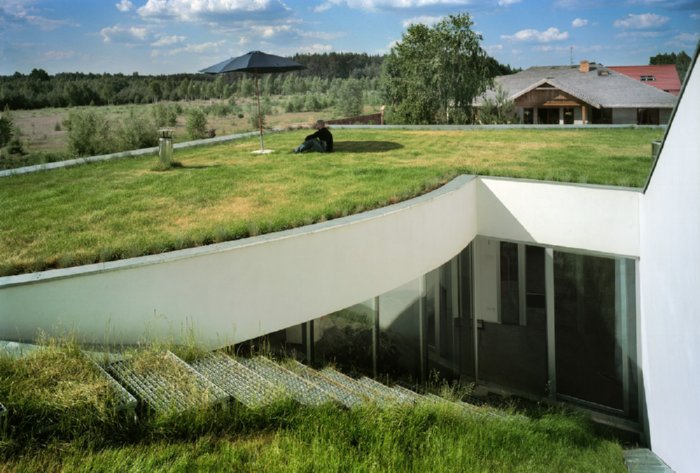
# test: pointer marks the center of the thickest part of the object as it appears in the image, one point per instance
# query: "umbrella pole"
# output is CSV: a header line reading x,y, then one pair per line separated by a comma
x,y
257,94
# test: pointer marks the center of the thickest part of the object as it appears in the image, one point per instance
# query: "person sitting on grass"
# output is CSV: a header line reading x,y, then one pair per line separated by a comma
x,y
321,141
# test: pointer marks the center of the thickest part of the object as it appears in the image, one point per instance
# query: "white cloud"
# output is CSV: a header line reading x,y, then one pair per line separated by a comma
x,y
22,12
695,16
505,3
639,34
212,10
124,6
423,20
168,40
199,48
123,34
579,23
685,40
494,48
535,36
372,5
59,55
641,22
316,48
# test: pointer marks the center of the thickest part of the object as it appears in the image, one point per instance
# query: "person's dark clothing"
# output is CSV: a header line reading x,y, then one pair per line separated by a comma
x,y
325,136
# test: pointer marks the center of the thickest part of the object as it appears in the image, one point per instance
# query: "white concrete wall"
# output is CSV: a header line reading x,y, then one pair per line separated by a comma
x,y
670,289
235,291
594,218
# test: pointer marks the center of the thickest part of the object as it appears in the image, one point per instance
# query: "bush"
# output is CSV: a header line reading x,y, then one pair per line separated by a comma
x,y
89,133
6,129
135,132
165,115
196,123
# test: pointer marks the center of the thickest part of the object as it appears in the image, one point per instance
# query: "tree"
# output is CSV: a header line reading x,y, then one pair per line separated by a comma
x,y
434,73
196,123
680,60
497,109
350,100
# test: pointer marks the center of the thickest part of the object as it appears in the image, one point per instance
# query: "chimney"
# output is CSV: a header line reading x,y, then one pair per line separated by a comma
x,y
584,67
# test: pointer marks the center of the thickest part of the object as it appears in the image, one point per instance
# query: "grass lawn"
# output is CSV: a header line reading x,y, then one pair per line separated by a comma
x,y
124,208
61,419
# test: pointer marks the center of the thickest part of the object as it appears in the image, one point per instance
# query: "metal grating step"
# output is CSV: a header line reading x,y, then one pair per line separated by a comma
x,y
243,384
125,400
387,392
166,383
353,385
303,391
417,398
643,460
347,397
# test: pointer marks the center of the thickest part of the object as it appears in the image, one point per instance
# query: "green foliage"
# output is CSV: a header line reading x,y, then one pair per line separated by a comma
x,y
349,101
434,73
499,109
7,128
165,115
681,61
136,132
89,133
196,123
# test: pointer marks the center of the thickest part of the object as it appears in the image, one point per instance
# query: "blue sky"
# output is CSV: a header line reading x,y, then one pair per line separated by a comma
x,y
172,36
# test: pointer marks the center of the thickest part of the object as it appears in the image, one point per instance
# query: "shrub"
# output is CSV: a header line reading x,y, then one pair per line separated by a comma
x,y
165,115
196,123
89,133
137,131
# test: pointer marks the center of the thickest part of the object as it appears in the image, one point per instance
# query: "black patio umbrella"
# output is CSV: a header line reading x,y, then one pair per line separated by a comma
x,y
255,62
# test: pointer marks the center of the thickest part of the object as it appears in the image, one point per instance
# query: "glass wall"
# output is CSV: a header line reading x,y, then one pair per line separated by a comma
x,y
512,347
518,317
344,338
595,335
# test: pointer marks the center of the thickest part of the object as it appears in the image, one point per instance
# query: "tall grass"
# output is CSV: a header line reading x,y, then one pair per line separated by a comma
x,y
62,417
112,210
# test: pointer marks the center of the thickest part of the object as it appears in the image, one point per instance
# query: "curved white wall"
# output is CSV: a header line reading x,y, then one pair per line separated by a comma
x,y
235,291
670,287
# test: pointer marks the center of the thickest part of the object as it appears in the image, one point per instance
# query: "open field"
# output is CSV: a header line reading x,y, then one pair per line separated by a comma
x,y
125,208
44,130
61,418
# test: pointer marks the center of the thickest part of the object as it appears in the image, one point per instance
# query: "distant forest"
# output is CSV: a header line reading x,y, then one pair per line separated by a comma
x,y
39,89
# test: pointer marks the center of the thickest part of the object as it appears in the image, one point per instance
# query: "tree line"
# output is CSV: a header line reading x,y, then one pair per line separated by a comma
x,y
38,89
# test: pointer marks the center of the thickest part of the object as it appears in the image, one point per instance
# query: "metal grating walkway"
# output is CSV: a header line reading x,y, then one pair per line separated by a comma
x,y
391,395
167,384
643,460
241,383
347,397
303,391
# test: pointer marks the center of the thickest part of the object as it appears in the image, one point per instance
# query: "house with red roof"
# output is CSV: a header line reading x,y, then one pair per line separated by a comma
x,y
663,76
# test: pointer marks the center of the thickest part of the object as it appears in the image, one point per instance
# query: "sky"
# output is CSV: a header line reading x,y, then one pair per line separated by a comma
x,y
184,36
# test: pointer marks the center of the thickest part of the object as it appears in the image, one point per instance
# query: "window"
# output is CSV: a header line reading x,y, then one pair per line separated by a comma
x,y
647,116
601,116
647,78
548,116
568,116
528,116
